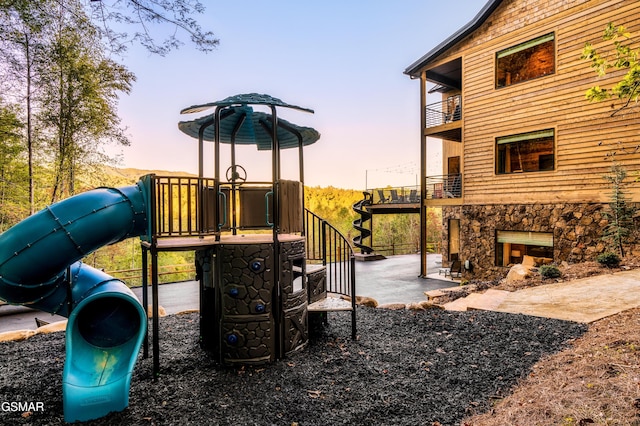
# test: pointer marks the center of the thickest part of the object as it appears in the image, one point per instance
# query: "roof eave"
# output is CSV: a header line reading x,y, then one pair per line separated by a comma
x,y
414,69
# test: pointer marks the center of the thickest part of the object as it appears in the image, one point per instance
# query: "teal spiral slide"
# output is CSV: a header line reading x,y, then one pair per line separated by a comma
x,y
40,268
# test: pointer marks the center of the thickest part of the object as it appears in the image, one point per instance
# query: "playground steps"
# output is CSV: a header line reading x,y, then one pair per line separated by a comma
x,y
319,299
323,300
332,303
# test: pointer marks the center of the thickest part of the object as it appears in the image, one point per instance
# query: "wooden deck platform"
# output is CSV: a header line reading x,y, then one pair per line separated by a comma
x,y
393,208
194,242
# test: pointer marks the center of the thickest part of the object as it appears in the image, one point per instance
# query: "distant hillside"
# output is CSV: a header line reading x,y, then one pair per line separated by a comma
x,y
333,204
131,175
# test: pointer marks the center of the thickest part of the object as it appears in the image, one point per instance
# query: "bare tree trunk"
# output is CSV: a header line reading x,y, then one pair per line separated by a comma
x,y
29,132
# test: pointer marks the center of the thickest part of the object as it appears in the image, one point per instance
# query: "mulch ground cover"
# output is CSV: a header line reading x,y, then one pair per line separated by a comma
x,y
406,367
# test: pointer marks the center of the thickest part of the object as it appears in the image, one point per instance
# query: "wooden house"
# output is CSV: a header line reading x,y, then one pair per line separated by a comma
x,y
524,153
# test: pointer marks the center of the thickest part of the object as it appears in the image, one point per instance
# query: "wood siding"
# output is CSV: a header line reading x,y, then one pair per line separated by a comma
x,y
450,149
584,132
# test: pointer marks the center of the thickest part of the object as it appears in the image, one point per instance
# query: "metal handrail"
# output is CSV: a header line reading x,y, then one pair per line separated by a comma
x,y
327,245
182,206
446,111
185,206
444,186
396,194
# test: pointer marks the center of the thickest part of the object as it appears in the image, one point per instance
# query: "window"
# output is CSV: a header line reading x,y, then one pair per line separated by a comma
x,y
525,152
532,59
512,246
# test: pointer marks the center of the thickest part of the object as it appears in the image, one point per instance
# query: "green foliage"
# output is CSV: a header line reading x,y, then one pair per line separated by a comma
x,y
13,174
550,271
55,63
620,228
134,21
620,56
392,233
123,260
78,104
608,259
334,205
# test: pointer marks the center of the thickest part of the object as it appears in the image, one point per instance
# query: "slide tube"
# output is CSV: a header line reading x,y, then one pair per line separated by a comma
x,y
40,268
104,335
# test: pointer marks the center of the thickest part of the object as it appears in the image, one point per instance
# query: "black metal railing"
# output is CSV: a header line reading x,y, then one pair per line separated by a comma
x,y
182,206
446,111
445,186
395,249
166,274
327,246
396,194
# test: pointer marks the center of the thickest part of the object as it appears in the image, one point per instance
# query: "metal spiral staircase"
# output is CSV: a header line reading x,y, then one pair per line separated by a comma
x,y
358,224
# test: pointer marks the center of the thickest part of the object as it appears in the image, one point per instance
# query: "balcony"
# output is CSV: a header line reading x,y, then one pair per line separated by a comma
x,y
393,200
445,187
444,119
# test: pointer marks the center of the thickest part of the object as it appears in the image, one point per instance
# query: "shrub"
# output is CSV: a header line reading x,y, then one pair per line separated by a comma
x,y
608,259
550,271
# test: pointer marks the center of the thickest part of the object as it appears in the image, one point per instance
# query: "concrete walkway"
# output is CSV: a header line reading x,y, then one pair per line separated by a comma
x,y
583,300
396,279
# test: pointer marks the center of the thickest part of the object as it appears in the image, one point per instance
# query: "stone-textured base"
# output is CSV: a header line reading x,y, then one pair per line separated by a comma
x,y
252,310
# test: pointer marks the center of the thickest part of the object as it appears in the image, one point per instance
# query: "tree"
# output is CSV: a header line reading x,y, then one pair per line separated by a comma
x,y
21,38
78,104
168,18
619,230
11,170
140,13
622,56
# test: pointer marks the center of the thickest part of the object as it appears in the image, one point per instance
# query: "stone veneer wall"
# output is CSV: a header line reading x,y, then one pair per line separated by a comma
x,y
576,228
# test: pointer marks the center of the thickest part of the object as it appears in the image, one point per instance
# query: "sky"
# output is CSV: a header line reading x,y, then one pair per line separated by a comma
x,y
343,59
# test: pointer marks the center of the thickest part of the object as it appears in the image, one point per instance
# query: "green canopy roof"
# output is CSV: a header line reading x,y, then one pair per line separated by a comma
x,y
240,124
254,130
245,99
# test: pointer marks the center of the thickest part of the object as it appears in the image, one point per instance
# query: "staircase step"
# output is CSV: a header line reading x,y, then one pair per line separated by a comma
x,y
330,304
362,257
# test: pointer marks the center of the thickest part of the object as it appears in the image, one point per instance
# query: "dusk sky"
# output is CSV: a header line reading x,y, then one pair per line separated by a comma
x,y
343,59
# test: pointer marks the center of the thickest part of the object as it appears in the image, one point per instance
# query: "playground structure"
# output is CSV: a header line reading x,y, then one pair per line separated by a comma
x,y
264,262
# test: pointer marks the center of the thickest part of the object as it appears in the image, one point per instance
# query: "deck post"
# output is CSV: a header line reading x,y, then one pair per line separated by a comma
x,y
145,297
155,310
216,181
423,177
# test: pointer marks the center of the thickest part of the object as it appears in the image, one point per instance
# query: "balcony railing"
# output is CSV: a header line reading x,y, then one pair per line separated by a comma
x,y
399,195
447,111
445,186
182,206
